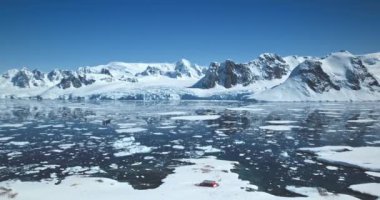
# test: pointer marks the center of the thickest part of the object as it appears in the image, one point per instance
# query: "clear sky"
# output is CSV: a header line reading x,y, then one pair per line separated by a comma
x,y
48,34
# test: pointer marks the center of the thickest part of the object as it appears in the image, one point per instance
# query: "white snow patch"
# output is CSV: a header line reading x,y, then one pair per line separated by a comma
x,y
178,147
131,130
196,117
209,149
128,146
362,157
173,113
11,125
281,122
361,120
18,143
6,138
375,174
278,127
367,188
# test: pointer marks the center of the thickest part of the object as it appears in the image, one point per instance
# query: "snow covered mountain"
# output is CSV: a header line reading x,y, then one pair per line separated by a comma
x,y
339,76
266,67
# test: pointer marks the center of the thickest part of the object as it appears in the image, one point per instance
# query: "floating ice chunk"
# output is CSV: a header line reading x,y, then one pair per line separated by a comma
x,y
209,149
128,146
173,113
42,126
17,143
317,193
278,127
375,174
14,154
284,154
58,126
281,122
131,130
332,168
239,142
196,117
11,125
167,127
66,146
361,120
178,147
126,125
6,138
246,109
362,157
309,161
367,188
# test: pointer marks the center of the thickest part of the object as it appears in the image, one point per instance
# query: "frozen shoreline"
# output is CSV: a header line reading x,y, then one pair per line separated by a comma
x,y
180,185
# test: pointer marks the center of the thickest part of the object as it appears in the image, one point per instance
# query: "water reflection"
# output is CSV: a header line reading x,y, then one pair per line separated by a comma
x,y
65,138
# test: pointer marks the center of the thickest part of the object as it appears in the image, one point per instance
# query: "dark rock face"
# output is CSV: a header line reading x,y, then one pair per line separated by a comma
x,y
311,73
359,76
150,71
53,75
210,79
230,74
227,74
38,75
71,80
272,66
21,79
106,72
173,74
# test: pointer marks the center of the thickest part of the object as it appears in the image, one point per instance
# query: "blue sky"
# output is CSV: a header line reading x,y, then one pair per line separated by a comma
x,y
48,34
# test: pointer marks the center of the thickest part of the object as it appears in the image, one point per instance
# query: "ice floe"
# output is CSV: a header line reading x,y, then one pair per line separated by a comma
x,y
173,113
278,127
281,122
5,138
250,109
180,147
362,157
196,117
131,130
180,185
316,193
209,149
361,120
375,174
367,188
18,143
127,146
11,125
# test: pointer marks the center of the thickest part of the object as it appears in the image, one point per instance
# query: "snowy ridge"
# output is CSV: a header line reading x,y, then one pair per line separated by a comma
x,y
340,76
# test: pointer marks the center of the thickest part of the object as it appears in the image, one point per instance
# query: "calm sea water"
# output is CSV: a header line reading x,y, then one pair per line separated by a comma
x,y
54,139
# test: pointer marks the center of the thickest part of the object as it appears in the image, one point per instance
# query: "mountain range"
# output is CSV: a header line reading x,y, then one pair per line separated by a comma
x,y
339,76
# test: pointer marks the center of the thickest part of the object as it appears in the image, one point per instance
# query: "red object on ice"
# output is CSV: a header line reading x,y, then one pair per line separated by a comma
x,y
208,183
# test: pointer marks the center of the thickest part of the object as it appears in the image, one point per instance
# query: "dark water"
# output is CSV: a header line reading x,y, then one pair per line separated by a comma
x,y
69,134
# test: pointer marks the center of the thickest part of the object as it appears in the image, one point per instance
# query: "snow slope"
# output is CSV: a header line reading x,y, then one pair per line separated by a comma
x,y
340,76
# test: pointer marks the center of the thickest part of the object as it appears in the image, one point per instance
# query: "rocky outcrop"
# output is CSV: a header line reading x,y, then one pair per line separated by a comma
x,y
73,80
311,73
229,74
271,66
226,74
151,71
